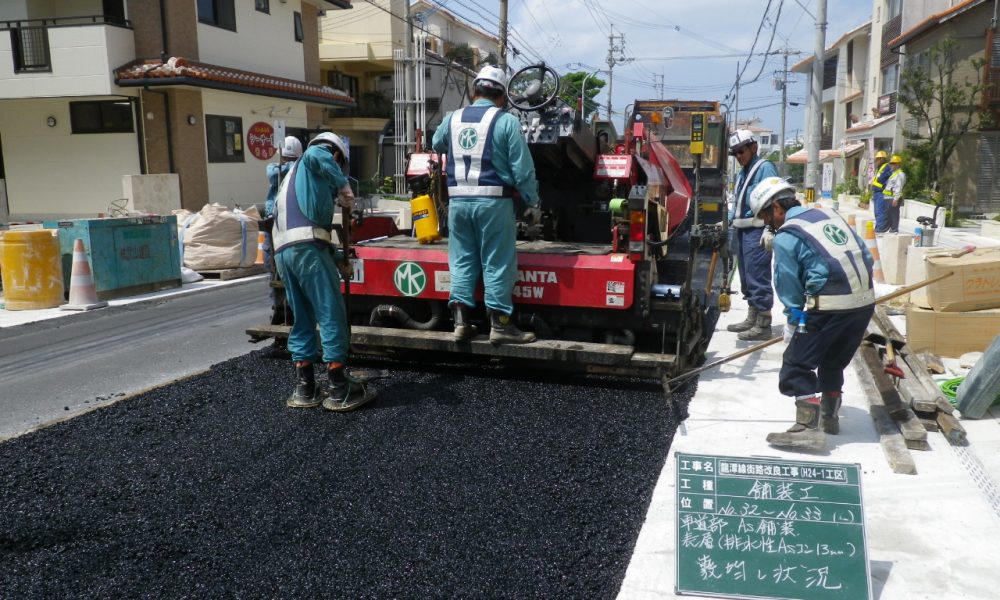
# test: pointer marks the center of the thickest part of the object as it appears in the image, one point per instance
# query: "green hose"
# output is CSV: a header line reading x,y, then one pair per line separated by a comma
x,y
950,389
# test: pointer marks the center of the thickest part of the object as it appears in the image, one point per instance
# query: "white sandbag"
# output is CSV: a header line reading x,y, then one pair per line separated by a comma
x,y
218,238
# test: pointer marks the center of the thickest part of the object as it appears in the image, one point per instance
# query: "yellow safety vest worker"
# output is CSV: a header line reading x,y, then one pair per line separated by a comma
x,y
876,185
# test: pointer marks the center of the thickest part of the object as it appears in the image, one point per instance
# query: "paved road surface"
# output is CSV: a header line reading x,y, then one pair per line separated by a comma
x,y
62,367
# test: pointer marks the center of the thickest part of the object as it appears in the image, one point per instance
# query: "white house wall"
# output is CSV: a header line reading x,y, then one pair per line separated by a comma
x,y
82,61
262,43
52,172
245,183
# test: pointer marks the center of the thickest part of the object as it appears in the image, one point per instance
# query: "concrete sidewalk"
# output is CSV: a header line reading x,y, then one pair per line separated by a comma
x,y
929,535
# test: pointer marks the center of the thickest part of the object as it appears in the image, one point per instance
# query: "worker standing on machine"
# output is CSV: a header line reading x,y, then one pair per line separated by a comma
x,y
488,159
882,173
752,243
823,276
304,255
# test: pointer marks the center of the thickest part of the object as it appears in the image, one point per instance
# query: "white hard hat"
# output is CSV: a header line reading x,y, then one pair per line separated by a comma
x,y
740,138
492,74
328,138
767,191
292,148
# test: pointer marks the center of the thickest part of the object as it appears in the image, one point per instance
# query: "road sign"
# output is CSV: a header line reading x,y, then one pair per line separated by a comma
x,y
767,528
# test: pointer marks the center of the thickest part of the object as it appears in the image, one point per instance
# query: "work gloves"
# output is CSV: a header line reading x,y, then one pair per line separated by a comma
x,y
533,215
345,196
767,239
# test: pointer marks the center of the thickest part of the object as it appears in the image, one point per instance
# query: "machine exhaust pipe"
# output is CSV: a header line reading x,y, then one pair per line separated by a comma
x,y
384,312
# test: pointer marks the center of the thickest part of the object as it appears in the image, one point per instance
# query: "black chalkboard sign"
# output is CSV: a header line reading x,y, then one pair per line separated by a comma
x,y
763,528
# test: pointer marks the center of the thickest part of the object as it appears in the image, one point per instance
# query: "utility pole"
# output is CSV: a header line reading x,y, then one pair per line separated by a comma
x,y
659,85
615,60
816,99
784,105
502,47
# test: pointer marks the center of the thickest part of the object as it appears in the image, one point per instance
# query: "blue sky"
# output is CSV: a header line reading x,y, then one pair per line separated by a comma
x,y
680,40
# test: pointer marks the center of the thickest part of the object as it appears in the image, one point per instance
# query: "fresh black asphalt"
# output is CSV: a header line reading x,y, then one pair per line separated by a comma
x,y
454,483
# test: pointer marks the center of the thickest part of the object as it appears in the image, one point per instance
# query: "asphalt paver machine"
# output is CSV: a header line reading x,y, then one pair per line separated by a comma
x,y
622,275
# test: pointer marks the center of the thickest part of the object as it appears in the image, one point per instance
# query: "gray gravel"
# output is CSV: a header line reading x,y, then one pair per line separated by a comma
x,y
454,483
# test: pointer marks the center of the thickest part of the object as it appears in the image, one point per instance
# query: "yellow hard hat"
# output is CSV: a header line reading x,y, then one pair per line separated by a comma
x,y
881,154
896,160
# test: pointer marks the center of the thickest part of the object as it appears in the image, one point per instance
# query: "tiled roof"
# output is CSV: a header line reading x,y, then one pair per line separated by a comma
x,y
866,125
181,71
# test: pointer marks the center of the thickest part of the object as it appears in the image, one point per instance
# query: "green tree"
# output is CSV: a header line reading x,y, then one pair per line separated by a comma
x,y
943,106
461,54
572,84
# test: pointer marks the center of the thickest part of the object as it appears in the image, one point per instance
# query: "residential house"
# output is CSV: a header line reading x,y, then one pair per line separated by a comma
x,y
973,174
98,95
357,54
842,104
768,140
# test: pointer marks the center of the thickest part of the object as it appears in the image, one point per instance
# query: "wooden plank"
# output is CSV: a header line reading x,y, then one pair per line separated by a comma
x,y
913,391
933,362
888,396
912,430
890,438
930,423
236,273
951,428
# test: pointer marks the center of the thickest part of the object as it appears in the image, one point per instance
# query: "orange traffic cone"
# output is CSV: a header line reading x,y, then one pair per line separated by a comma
x,y
872,245
261,241
82,291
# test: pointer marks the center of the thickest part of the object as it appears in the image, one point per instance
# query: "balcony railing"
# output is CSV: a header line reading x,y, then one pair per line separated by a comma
x,y
886,104
29,39
992,91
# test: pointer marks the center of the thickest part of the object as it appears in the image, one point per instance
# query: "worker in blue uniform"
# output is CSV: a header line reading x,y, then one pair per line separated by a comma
x,y
823,276
877,186
752,243
304,253
291,150
488,159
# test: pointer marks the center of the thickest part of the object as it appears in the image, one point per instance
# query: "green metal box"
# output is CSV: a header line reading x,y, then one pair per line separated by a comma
x,y
127,256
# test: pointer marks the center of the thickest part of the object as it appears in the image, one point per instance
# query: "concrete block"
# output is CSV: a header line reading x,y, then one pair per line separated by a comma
x,y
913,208
158,194
990,229
916,271
892,249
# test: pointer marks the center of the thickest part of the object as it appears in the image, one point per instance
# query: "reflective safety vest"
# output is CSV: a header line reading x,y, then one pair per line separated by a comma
x,y
849,283
290,225
889,191
744,216
876,184
470,160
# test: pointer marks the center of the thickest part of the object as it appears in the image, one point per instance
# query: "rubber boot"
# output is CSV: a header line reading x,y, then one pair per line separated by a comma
x,y
464,330
805,433
746,324
761,329
345,393
305,394
829,420
503,330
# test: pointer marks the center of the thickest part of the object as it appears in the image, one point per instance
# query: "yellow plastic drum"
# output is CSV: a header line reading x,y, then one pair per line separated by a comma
x,y
31,266
425,219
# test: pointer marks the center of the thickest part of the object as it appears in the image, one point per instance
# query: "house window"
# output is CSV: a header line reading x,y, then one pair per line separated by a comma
x,y
890,78
850,57
30,46
830,72
219,13
298,27
988,184
107,116
225,138
894,9
263,6
342,82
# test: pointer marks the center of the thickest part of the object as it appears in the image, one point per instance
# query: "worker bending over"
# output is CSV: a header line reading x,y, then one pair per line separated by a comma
x,y
823,276
304,253
487,160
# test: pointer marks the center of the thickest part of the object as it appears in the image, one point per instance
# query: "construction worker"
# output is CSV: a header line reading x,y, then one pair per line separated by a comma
x,y
893,193
488,159
291,150
882,172
823,276
752,243
304,253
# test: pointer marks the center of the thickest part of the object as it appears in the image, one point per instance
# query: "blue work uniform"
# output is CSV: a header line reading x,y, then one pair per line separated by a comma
x,y
753,261
878,198
303,219
823,267
487,160
275,173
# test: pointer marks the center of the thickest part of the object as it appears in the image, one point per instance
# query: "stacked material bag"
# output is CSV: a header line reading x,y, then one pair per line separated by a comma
x,y
217,237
